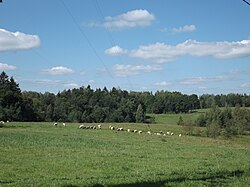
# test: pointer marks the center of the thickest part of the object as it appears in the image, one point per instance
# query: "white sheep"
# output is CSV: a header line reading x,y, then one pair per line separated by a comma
x,y
1,122
172,134
179,135
120,129
7,121
64,124
94,127
139,132
55,124
81,127
164,134
112,128
158,134
99,126
168,133
135,131
149,132
128,130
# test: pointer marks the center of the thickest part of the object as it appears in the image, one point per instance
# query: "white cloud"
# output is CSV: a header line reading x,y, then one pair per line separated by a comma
x,y
160,52
71,85
130,19
198,80
163,83
241,72
14,41
59,70
91,81
7,67
245,85
115,51
185,28
125,70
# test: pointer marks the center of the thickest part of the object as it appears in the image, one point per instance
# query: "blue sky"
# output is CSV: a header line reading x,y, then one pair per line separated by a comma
x,y
188,46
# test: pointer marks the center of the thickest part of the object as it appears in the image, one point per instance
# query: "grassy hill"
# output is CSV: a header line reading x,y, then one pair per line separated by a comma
x,y
39,154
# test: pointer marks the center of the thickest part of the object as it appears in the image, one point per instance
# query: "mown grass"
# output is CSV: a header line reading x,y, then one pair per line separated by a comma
x,y
39,154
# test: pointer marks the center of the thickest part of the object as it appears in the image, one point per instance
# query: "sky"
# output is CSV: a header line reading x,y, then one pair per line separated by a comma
x,y
148,45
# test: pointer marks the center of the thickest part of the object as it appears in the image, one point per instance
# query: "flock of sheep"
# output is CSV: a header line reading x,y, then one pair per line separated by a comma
x,y
160,133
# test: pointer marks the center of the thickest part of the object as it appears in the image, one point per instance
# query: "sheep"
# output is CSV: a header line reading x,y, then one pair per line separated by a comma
x,y
112,128
55,124
164,134
128,130
91,127
149,132
7,121
94,127
179,135
99,126
1,122
120,129
172,134
64,124
81,127
161,132
135,131
168,133
139,132
158,134
87,127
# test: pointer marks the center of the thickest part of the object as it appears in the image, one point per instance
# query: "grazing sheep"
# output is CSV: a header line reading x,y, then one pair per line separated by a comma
x,y
149,132
164,134
158,134
94,127
1,122
55,124
179,135
87,127
161,132
139,132
99,126
168,133
172,134
135,131
81,127
128,130
64,124
112,128
120,129
7,121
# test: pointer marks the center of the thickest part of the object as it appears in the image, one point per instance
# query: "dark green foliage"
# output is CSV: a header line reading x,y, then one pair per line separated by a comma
x,y
140,114
180,121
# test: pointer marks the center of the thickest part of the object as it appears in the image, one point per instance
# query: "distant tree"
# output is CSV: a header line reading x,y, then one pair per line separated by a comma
x,y
140,115
180,121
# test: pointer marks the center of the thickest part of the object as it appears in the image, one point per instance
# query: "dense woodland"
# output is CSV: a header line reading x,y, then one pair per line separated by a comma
x,y
101,105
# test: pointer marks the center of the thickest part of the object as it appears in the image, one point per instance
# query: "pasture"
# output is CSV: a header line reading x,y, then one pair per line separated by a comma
x,y
40,154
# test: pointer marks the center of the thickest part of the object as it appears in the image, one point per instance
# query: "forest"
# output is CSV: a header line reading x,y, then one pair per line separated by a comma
x,y
85,104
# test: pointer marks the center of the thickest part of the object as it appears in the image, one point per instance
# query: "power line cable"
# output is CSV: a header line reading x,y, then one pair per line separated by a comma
x,y
88,41
246,2
110,37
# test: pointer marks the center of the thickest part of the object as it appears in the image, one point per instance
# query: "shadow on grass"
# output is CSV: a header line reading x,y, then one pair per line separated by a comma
x,y
218,179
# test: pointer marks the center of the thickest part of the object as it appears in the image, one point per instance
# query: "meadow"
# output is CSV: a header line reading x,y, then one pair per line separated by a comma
x,y
40,154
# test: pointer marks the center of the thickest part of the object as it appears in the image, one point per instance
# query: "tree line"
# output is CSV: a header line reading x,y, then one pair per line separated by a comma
x,y
85,104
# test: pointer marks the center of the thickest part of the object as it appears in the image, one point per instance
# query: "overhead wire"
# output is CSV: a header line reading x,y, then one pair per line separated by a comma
x,y
110,38
88,41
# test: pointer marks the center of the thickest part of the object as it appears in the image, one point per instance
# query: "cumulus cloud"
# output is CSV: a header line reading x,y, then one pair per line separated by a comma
x,y
240,72
121,70
163,83
160,52
59,70
198,80
130,19
14,41
115,51
6,67
185,28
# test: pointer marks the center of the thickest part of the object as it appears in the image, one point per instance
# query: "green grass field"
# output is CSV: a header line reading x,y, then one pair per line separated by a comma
x,y
39,154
